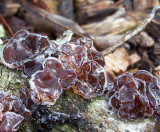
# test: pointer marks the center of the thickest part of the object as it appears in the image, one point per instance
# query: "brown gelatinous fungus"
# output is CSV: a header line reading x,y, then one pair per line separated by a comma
x,y
25,97
12,112
77,52
31,67
88,64
24,47
91,81
135,95
53,66
48,84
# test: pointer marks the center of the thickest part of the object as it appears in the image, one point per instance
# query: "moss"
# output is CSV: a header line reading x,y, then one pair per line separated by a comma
x,y
25,126
68,101
63,128
98,98
11,80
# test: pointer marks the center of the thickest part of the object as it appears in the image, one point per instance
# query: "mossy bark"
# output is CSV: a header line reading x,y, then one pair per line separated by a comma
x,y
11,80
96,111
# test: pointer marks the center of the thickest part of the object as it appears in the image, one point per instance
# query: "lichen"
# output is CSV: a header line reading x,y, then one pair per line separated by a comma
x,y
11,80
105,119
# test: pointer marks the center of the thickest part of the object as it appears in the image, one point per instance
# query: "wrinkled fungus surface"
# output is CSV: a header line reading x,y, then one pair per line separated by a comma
x,y
77,66
25,97
135,95
27,50
12,112
53,67
88,64
48,84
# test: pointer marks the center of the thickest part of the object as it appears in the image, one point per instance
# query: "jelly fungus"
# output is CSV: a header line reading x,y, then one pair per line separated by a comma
x,y
135,95
27,50
25,97
12,112
88,64
49,83
57,65
54,66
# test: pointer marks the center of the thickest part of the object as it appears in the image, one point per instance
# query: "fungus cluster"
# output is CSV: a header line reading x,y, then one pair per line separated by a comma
x,y
48,84
12,112
27,51
53,67
88,65
135,95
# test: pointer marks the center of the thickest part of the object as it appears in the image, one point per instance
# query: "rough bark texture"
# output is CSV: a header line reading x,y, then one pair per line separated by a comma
x,y
11,80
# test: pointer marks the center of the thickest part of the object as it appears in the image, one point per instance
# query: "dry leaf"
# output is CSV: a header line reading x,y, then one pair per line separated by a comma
x,y
157,74
118,61
134,58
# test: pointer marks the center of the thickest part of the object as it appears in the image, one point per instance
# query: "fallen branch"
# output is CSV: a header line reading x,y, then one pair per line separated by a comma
x,y
131,34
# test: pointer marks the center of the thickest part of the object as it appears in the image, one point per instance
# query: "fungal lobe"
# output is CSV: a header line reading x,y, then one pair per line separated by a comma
x,y
88,64
27,51
135,95
48,83
54,67
12,112
77,66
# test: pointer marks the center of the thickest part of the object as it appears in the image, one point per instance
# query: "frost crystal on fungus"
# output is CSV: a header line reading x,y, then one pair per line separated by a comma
x,y
12,112
53,67
135,95
27,49
48,84
88,64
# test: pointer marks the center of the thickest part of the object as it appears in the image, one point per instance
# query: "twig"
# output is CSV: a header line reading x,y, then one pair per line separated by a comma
x,y
7,26
131,34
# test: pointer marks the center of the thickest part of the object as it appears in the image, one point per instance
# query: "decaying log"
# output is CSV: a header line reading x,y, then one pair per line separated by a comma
x,y
11,80
94,12
47,22
117,23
